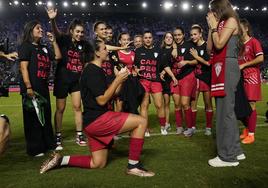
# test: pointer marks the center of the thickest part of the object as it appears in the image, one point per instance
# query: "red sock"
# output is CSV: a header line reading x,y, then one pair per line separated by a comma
x,y
178,116
209,117
252,122
80,161
194,117
162,121
135,148
188,118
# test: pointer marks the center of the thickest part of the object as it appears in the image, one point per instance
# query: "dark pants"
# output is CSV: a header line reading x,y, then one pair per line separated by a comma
x,y
39,139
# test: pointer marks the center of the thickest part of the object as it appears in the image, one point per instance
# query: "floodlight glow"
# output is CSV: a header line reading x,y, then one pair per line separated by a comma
x,y
168,5
144,5
185,6
264,9
49,4
200,7
16,2
75,3
246,8
83,4
40,2
103,3
65,4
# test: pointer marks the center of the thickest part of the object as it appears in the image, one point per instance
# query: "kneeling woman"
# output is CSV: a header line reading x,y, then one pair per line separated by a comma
x,y
35,63
102,125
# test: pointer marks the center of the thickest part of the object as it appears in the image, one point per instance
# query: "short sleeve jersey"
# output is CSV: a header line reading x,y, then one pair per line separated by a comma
x,y
93,84
39,59
252,49
183,54
203,72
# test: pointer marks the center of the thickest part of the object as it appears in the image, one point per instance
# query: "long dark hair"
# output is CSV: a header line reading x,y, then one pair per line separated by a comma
x,y
28,31
224,11
75,22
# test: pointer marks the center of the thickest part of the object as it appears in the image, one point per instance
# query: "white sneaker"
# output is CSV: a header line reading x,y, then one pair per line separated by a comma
x,y
168,127
59,148
164,131
189,132
179,130
241,157
147,134
40,155
217,162
208,131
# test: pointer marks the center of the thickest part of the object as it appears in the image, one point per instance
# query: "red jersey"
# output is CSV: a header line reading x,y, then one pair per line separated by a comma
x,y
252,49
127,58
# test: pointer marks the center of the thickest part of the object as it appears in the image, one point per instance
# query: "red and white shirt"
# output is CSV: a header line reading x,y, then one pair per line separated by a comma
x,y
127,58
252,49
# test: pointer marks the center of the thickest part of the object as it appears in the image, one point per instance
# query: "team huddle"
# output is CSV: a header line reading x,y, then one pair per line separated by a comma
x,y
116,83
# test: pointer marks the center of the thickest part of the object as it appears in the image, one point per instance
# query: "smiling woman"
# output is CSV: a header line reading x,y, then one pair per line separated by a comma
x,y
35,61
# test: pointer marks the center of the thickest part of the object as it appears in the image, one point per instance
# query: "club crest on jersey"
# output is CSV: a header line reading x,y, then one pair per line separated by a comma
x,y
183,50
202,52
79,47
45,50
155,54
218,68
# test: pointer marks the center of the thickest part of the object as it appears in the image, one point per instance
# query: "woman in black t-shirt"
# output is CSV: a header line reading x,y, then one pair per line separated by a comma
x,y
102,125
35,63
203,75
73,48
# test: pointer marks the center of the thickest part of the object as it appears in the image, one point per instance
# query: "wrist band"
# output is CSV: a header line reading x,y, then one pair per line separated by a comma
x,y
28,87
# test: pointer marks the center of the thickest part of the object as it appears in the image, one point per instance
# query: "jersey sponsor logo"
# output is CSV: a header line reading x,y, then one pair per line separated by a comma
x,y
43,66
79,47
74,64
218,68
155,54
202,52
183,50
45,50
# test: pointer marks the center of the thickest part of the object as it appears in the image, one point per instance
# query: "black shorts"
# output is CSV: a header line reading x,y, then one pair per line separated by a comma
x,y
62,89
166,87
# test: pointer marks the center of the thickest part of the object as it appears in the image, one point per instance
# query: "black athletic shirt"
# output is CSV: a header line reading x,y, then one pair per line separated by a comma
x,y
39,58
92,84
167,58
203,72
183,54
74,55
150,61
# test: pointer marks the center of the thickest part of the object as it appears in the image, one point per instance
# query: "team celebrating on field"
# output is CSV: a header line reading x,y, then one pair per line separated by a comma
x,y
117,82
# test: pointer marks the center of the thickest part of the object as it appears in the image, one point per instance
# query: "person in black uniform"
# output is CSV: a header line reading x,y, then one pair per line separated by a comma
x,y
183,66
73,47
149,60
35,62
203,75
100,124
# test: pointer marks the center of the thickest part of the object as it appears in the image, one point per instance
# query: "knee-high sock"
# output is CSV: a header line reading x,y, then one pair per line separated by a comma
x,y
162,121
80,161
252,121
135,148
209,117
188,117
178,116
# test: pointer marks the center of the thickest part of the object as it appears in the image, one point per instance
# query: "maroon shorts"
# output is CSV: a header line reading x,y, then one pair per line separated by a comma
x,y
101,131
186,86
202,86
253,91
151,87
